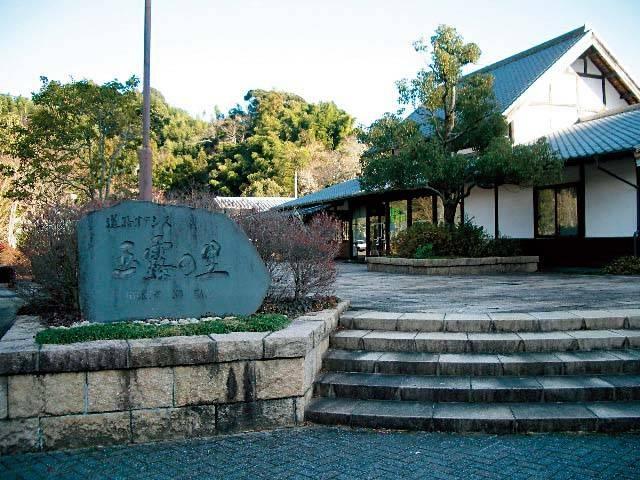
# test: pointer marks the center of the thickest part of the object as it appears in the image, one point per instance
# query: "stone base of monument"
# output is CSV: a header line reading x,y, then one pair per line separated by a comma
x,y
135,391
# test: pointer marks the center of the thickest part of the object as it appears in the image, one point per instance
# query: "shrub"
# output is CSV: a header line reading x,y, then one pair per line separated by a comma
x,y
424,240
502,247
48,240
467,240
408,241
424,251
300,256
629,265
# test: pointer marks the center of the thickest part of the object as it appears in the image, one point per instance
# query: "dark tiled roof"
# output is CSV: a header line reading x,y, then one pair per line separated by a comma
x,y
249,203
614,131
513,75
347,189
611,132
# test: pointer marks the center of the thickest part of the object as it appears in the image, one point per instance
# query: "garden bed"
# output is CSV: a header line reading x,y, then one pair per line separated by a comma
x,y
453,266
130,391
133,330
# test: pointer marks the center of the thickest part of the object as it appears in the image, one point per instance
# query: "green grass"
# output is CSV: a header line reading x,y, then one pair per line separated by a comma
x,y
130,331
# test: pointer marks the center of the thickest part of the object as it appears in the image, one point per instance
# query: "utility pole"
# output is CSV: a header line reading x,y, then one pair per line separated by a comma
x,y
144,154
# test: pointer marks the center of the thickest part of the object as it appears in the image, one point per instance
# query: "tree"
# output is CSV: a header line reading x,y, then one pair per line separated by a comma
x,y
327,167
179,153
258,151
13,113
80,137
464,142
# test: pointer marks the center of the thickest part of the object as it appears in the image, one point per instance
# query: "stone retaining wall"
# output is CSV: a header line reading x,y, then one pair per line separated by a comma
x,y
117,391
453,266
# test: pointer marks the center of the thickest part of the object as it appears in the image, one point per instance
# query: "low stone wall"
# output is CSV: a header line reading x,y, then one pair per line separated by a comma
x,y
117,391
453,266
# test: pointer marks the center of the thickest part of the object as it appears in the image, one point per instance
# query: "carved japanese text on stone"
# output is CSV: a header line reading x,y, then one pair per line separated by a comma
x,y
142,260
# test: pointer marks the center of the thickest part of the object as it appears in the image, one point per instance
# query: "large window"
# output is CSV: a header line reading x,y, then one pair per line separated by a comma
x,y
422,209
557,211
397,217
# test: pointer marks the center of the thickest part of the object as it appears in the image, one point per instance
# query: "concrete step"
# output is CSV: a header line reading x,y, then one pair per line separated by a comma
x,y
614,319
462,342
477,417
568,388
612,362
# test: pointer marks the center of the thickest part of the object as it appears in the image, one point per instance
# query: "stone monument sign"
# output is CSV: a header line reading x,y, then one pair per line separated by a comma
x,y
142,260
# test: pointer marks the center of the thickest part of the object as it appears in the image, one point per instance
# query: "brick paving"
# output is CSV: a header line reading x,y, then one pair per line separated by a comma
x,y
528,292
340,453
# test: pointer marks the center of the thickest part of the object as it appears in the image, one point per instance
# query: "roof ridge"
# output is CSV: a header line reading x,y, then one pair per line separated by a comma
x,y
530,51
608,113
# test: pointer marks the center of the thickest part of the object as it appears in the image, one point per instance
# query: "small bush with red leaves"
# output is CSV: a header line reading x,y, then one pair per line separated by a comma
x,y
48,240
300,256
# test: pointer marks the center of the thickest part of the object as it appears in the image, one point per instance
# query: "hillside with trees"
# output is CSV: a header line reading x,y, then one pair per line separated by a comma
x,y
80,138
256,150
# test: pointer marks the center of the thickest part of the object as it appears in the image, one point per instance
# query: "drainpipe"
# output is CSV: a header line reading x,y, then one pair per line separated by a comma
x,y
636,235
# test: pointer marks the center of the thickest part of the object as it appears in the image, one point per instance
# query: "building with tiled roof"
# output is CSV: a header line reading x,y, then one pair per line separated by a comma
x,y
570,90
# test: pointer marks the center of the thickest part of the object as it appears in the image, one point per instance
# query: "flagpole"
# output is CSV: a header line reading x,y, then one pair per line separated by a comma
x,y
144,154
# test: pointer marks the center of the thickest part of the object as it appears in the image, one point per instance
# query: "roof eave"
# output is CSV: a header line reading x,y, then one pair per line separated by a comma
x,y
563,62
625,78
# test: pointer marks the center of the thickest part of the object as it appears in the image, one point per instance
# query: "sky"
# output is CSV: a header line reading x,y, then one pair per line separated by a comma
x,y
211,52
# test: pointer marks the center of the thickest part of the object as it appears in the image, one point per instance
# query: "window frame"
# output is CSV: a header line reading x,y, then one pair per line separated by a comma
x,y
579,208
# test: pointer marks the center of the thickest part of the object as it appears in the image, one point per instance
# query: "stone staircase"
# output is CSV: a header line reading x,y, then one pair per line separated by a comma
x,y
500,373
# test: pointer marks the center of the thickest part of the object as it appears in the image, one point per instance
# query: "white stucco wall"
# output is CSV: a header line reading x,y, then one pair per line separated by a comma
x,y
559,102
610,205
478,207
515,211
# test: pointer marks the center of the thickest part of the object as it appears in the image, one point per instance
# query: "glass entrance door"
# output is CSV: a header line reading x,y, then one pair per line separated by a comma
x,y
377,231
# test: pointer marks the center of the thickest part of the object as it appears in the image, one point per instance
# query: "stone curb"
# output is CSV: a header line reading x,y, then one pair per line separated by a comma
x,y
23,355
449,266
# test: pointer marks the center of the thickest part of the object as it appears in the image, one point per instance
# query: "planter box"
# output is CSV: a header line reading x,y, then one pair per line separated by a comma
x,y
133,391
453,266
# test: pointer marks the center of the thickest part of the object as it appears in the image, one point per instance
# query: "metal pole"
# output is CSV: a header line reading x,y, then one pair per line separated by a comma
x,y
144,154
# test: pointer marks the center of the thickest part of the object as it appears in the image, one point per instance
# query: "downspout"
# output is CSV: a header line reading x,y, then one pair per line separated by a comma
x,y
496,221
636,235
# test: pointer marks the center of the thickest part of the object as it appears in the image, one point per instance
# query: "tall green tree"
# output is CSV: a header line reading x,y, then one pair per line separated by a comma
x,y
258,151
179,153
80,137
463,143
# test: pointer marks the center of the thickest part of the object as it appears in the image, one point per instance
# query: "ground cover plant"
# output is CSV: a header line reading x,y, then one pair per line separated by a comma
x,y
133,330
426,240
629,265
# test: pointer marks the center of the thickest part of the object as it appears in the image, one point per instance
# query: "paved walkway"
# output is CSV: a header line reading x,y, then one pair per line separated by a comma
x,y
9,304
484,293
340,453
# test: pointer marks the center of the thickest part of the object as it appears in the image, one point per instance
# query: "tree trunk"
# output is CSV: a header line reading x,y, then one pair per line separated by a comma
x,y
12,227
450,208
